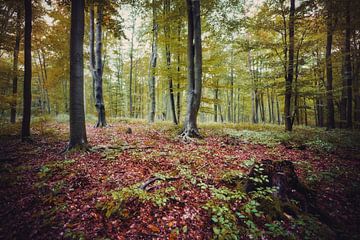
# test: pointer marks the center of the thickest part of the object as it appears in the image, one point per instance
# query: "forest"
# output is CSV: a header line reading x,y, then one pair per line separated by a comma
x,y
180,119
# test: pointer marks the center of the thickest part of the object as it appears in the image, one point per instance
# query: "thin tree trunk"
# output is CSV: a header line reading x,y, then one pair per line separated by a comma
x,y
131,68
15,66
25,132
168,61
153,62
348,70
290,75
77,115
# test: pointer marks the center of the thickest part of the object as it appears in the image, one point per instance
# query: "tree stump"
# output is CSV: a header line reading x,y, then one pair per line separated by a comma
x,y
290,195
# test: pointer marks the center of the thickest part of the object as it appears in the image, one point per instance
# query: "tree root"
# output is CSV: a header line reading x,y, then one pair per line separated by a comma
x,y
154,179
85,147
189,135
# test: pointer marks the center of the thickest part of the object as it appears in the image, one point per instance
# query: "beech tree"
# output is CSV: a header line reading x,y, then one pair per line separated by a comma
x,y
290,75
329,71
25,130
153,62
194,52
15,65
77,114
96,64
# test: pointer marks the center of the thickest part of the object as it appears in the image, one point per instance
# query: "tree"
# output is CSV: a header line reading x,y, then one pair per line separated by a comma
x,y
96,64
77,114
153,62
167,8
194,49
25,131
329,73
290,75
347,65
15,65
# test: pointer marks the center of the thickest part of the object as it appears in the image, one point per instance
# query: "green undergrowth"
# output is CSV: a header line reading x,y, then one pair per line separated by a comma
x,y
233,212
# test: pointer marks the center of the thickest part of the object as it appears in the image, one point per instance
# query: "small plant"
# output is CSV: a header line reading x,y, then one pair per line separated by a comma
x,y
121,197
225,222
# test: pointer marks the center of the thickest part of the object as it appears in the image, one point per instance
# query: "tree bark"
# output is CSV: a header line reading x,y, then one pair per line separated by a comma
x,y
194,69
99,98
290,75
25,132
131,69
15,66
348,69
168,61
153,63
329,73
77,114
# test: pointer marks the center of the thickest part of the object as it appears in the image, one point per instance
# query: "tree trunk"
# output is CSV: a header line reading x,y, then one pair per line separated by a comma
x,y
77,115
216,92
168,61
25,132
290,75
348,70
100,106
194,69
329,73
15,66
131,68
153,62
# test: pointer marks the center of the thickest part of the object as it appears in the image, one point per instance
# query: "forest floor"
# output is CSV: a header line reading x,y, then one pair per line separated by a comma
x,y
193,189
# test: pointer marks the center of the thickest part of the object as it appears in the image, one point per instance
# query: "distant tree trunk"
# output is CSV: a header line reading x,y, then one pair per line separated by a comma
x,y
77,114
153,62
347,66
356,86
178,97
269,104
253,107
329,73
278,110
15,66
231,106
131,69
25,132
290,75
168,61
194,69
216,93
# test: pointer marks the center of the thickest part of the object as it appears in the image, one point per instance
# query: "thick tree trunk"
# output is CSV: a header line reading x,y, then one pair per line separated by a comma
x,y
194,69
25,131
168,62
77,115
329,73
290,75
99,98
153,63
15,66
347,66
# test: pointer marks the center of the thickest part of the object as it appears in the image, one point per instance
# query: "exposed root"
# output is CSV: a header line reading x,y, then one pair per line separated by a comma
x,y
85,147
154,179
101,125
189,135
